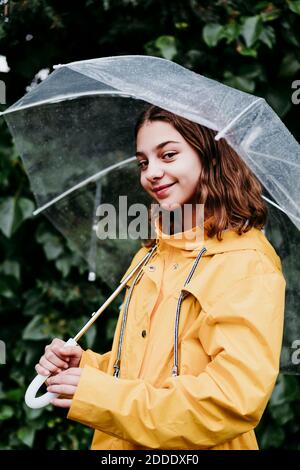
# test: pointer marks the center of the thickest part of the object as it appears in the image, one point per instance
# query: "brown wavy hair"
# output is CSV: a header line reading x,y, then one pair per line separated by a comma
x,y
227,187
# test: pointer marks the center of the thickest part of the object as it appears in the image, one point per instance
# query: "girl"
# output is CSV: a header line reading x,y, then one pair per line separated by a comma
x,y
197,345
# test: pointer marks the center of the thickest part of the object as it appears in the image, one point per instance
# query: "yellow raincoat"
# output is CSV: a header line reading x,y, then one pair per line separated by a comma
x,y
229,343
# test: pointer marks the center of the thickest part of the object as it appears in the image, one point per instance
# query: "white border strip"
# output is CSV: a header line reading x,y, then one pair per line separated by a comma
x,y
83,183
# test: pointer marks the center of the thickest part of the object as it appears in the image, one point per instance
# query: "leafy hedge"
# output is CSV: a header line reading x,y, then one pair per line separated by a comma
x,y
44,290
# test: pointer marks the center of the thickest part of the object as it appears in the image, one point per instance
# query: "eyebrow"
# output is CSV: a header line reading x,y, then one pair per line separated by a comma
x,y
159,146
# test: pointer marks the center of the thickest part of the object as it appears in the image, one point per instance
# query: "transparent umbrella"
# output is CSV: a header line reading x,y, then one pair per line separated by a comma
x,y
75,133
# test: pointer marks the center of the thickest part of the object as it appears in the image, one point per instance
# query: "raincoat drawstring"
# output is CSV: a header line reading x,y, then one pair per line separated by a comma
x,y
117,365
180,300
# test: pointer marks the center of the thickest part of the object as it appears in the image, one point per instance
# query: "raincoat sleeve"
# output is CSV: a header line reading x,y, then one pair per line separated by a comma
x,y
242,333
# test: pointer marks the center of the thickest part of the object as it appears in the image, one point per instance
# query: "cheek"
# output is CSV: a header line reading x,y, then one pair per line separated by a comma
x,y
143,181
189,182
190,176
193,172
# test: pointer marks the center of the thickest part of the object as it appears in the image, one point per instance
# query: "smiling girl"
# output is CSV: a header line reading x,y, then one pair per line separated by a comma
x,y
197,345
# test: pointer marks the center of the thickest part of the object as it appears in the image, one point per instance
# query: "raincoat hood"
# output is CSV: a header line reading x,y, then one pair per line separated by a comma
x,y
190,242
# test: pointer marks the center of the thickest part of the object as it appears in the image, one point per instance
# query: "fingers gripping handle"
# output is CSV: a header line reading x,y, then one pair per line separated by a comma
x,y
30,396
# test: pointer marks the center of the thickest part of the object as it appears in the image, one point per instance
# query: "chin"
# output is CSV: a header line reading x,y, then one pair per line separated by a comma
x,y
170,205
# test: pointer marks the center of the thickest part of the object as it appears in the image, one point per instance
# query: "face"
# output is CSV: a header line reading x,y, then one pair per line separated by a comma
x,y
170,167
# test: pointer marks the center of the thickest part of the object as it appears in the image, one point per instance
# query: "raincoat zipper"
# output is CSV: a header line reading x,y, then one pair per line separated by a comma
x,y
117,364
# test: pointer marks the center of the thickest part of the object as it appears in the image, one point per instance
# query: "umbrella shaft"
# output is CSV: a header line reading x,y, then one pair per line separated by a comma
x,y
95,315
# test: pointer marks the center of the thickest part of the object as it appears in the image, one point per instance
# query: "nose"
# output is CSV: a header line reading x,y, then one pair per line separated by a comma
x,y
154,171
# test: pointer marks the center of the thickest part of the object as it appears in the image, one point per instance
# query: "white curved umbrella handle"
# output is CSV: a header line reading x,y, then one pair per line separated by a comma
x,y
30,396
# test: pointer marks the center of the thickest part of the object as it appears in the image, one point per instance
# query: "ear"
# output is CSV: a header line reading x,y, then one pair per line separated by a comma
x,y
214,162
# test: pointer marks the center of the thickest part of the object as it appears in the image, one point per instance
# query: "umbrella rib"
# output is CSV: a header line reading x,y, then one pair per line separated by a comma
x,y
271,157
280,208
287,196
223,131
95,60
83,183
285,211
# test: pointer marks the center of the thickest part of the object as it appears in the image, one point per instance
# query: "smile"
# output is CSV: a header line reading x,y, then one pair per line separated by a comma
x,y
162,190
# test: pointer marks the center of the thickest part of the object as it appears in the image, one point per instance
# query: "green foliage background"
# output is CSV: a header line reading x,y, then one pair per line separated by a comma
x,y
44,292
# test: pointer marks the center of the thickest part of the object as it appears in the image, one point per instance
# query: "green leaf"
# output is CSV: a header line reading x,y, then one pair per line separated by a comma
x,y
249,52
212,33
37,329
23,210
271,14
64,265
26,435
52,245
251,29
282,414
286,390
13,212
230,32
290,34
33,414
167,46
110,328
15,394
11,268
273,437
279,100
294,7
53,248
5,288
268,37
6,412
241,83
289,66
7,213
90,336
33,302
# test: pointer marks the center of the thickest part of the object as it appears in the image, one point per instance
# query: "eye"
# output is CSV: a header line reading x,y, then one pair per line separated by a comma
x,y
142,164
169,155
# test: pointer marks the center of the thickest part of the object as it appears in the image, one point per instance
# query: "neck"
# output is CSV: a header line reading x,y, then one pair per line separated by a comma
x,y
184,218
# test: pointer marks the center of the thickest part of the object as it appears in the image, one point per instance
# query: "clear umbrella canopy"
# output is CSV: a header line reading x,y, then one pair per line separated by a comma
x,y
79,154
75,133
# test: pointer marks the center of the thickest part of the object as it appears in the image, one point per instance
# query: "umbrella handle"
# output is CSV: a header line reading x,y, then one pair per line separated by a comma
x,y
30,396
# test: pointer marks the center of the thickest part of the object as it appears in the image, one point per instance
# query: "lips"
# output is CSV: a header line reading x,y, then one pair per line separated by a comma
x,y
159,188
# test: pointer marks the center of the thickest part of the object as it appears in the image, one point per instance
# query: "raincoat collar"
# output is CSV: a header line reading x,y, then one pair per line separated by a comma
x,y
191,242
254,239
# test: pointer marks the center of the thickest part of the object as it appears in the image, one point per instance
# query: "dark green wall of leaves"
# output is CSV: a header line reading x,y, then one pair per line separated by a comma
x,y
44,292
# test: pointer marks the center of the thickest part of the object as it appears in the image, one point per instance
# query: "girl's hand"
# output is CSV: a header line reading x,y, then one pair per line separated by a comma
x,y
64,383
58,358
